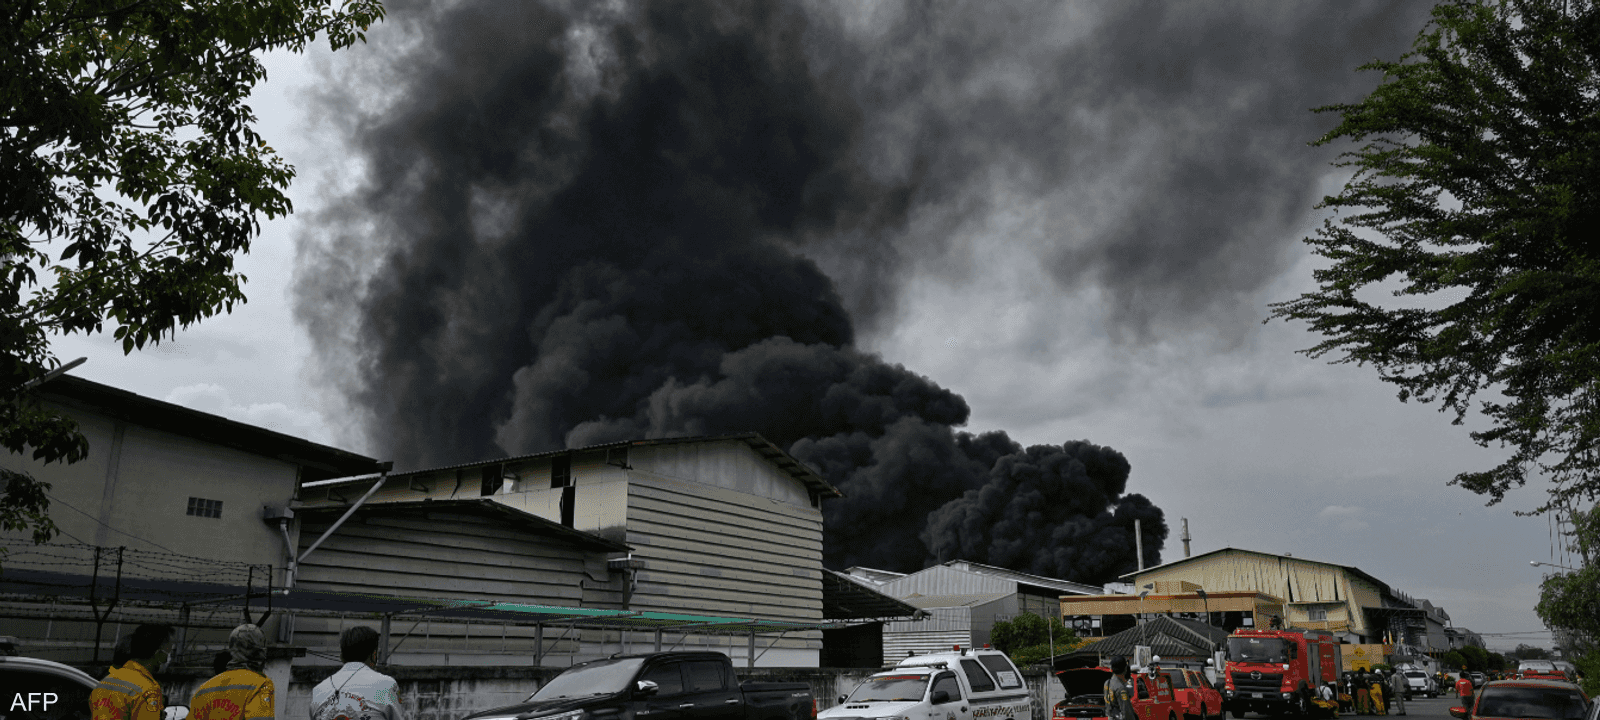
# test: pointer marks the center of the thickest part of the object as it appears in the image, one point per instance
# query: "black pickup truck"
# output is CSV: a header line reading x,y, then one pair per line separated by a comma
x,y
658,686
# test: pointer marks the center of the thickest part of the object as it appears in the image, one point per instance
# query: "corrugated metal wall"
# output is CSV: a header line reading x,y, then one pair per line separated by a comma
x,y
718,529
709,550
454,554
897,646
706,548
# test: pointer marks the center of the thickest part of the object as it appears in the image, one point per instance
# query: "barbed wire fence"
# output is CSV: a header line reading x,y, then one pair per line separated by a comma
x,y
68,585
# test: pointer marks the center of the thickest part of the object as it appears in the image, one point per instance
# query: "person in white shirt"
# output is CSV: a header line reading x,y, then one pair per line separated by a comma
x,y
357,691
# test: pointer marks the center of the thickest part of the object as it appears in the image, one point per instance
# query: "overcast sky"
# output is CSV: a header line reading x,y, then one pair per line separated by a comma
x,y
1110,194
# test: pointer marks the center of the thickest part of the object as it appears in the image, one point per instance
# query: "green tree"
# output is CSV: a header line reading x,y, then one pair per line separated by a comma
x,y
1454,660
1529,652
130,177
1571,600
1476,193
1477,657
1026,638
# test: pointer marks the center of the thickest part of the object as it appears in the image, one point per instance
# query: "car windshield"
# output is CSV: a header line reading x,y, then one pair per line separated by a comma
x,y
601,677
890,688
1176,678
1509,701
1416,675
1258,650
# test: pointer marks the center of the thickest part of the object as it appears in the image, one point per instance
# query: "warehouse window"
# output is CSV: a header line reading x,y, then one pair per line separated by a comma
x,y
1319,614
491,480
560,471
201,507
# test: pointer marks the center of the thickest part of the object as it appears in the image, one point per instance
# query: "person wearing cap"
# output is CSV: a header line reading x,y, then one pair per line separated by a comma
x,y
1119,705
1398,689
241,691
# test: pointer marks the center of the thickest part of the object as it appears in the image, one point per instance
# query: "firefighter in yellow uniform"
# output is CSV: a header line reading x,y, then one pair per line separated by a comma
x,y
130,692
240,692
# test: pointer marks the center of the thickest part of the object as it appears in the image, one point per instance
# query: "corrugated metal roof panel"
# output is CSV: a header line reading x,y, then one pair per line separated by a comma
x,y
1025,578
950,601
943,580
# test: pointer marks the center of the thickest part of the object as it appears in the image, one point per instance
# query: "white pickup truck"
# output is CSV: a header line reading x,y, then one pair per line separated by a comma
x,y
957,685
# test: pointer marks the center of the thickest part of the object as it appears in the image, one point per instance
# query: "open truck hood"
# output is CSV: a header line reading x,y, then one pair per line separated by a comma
x,y
1084,681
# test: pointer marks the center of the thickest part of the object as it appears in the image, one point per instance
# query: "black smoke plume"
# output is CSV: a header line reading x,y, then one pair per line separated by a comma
x,y
590,222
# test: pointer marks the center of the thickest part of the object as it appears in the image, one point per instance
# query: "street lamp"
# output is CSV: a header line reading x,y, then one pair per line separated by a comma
x,y
53,374
1206,601
1536,563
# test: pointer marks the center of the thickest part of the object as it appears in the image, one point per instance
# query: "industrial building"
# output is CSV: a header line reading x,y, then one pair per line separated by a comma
x,y
1243,588
726,526
185,517
163,517
960,601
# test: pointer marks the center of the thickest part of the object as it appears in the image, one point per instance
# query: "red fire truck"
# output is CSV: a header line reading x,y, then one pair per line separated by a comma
x,y
1273,672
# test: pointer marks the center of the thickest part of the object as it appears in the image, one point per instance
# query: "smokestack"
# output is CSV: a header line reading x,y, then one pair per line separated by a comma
x,y
1138,543
1185,537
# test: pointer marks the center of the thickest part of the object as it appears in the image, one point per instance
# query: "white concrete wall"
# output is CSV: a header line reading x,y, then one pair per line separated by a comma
x,y
133,491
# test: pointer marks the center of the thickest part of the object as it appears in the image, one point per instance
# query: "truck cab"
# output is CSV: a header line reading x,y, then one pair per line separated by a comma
x,y
957,685
1276,672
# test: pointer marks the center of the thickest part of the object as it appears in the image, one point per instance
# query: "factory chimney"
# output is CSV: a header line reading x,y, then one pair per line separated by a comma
x,y
1138,543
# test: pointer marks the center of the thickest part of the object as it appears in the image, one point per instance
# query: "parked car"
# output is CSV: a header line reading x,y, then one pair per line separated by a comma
x,y
1419,683
39,689
1196,698
1478,679
1151,695
668,685
961,684
35,689
1526,700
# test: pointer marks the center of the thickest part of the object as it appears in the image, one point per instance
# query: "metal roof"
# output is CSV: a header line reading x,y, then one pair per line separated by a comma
x,y
1166,636
1025,578
762,446
482,506
941,601
316,461
1382,586
844,597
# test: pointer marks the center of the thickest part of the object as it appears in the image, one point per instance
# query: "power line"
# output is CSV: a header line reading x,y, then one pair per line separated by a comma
x,y
108,527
